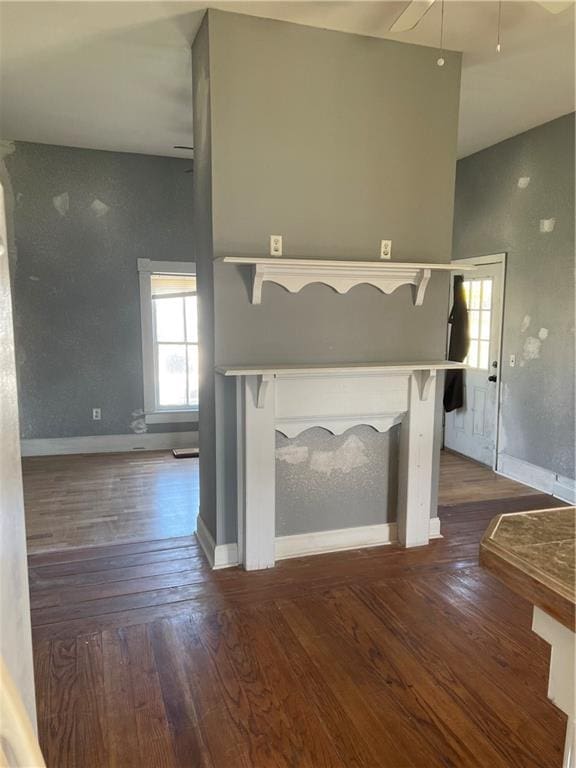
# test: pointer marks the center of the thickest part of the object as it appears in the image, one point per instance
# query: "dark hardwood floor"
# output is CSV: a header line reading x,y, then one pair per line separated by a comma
x,y
107,498
377,658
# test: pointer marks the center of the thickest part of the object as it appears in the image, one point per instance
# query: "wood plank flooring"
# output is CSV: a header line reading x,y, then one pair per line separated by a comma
x,y
376,658
83,501
463,480
106,498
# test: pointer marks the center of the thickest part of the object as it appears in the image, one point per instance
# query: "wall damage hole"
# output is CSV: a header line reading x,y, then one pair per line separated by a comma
x,y
99,208
523,182
138,424
525,323
543,333
547,225
62,203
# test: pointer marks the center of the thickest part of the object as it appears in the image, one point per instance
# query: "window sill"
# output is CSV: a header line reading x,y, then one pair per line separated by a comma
x,y
171,417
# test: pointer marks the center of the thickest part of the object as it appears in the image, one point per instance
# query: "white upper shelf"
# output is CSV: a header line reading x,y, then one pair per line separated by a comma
x,y
313,369
294,274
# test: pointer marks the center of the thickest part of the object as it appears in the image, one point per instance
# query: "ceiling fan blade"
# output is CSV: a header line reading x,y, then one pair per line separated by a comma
x,y
555,6
411,15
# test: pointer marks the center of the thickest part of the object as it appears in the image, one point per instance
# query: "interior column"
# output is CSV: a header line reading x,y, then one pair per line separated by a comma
x,y
257,468
416,461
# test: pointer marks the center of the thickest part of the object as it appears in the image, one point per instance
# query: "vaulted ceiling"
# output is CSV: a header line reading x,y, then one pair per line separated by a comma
x,y
117,75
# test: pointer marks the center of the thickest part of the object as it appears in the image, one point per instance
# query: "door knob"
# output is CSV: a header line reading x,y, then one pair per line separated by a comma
x,y
492,378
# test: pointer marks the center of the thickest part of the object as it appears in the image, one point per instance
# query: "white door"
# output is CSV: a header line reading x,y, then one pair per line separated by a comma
x,y
473,429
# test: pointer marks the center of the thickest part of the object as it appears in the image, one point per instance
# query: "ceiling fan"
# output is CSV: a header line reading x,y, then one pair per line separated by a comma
x,y
417,9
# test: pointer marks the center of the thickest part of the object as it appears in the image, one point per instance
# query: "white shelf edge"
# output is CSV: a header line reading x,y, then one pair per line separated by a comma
x,y
337,368
341,276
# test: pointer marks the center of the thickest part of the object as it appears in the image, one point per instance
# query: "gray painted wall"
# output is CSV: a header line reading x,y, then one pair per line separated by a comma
x,y
494,214
334,141
76,290
202,232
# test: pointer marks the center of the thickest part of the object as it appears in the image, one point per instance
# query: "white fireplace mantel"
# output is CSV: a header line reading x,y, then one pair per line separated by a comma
x,y
295,274
293,398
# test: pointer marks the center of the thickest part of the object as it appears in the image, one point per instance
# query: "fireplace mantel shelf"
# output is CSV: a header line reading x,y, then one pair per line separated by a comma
x,y
325,368
295,274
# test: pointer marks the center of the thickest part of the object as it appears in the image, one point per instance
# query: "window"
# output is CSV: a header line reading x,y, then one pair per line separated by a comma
x,y
478,294
169,340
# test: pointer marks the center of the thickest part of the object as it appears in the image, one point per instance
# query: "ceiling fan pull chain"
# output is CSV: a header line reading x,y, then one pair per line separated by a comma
x,y
440,61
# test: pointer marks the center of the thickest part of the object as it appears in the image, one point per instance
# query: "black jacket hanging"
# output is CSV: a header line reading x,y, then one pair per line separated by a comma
x,y
458,347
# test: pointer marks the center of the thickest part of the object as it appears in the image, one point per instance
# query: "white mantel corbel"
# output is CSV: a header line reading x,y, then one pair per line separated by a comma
x,y
293,398
295,274
424,380
263,384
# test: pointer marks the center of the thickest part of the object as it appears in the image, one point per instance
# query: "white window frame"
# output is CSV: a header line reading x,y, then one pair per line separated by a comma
x,y
147,268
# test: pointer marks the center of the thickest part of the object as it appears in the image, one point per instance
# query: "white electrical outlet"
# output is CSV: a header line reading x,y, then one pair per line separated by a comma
x,y
512,360
385,249
275,245
96,414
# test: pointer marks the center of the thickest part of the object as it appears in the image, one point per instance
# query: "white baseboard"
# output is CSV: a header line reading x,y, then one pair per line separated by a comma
x,y
319,542
225,556
149,441
206,540
302,544
435,528
537,477
218,555
565,489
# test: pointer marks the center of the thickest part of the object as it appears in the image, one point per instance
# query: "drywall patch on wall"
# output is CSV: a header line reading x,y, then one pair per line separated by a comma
x,y
347,457
62,203
523,182
293,454
531,349
547,225
138,424
525,324
99,208
543,333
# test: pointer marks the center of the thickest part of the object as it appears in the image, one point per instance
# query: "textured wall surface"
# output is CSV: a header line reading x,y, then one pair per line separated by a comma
x,y
318,471
334,141
518,197
82,219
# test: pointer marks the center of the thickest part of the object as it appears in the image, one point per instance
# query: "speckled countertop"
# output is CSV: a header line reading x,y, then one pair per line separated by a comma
x,y
533,553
